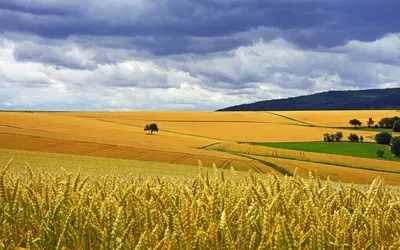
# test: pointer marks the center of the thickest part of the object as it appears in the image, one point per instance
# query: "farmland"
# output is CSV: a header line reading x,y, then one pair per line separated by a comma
x,y
206,180
212,137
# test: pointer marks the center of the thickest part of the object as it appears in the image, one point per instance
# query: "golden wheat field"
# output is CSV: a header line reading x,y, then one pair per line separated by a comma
x,y
47,210
97,180
339,118
339,160
187,137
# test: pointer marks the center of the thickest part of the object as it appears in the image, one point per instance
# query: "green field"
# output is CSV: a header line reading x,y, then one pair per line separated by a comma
x,y
364,150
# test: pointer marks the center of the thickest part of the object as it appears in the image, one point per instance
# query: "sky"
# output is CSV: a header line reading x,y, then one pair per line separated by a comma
x,y
191,54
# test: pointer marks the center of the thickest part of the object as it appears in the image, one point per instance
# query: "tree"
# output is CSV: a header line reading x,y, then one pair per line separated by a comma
x,y
370,122
333,137
152,128
388,122
338,136
355,122
361,138
396,126
383,138
327,137
380,153
353,138
395,143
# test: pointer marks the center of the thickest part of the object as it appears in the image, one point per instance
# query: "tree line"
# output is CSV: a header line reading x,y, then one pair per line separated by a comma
x,y
387,122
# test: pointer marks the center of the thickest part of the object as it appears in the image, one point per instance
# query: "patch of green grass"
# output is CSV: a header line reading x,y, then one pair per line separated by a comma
x,y
364,150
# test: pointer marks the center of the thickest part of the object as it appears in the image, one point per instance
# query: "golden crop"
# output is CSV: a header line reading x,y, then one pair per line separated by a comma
x,y
339,118
338,167
40,210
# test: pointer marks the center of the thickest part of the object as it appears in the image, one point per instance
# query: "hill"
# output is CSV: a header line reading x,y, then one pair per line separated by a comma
x,y
371,99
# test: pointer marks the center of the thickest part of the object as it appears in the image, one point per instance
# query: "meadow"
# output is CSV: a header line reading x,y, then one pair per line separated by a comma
x,y
364,150
206,180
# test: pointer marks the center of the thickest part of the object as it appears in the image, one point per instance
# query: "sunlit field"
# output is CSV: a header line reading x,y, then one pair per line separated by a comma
x,y
220,138
338,118
205,180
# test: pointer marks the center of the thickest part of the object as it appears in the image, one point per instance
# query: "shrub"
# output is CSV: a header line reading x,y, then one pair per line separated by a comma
x,y
353,138
361,138
376,126
333,137
380,153
395,143
396,126
383,138
338,136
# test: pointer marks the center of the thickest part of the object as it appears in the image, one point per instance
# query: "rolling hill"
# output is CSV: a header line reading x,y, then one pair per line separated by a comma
x,y
371,99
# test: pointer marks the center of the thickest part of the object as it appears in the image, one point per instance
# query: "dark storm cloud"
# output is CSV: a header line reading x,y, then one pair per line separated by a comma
x,y
172,26
191,54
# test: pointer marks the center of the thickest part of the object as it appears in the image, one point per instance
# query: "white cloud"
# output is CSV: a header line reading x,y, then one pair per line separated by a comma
x,y
69,75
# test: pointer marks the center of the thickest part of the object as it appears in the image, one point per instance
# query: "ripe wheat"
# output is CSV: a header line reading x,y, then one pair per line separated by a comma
x,y
40,210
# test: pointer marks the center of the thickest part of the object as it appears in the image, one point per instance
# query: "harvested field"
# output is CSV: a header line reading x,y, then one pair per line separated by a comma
x,y
184,137
335,173
338,118
40,144
355,162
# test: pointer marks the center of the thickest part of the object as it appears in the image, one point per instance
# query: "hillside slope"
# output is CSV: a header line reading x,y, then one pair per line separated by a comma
x,y
376,99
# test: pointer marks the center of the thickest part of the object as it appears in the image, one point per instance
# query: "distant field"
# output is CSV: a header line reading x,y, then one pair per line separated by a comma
x,y
365,150
186,137
339,118
347,162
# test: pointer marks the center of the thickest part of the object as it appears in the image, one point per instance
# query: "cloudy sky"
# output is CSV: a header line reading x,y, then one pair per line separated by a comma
x,y
191,54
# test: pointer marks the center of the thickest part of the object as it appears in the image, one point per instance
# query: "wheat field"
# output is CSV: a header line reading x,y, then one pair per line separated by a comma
x,y
339,118
43,210
340,160
187,137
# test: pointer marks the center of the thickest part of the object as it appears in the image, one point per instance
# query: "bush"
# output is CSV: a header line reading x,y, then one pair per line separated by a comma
x,y
333,137
327,137
376,126
396,126
353,138
380,153
396,145
361,138
338,136
383,138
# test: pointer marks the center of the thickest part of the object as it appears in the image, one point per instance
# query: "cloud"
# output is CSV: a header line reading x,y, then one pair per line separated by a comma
x,y
261,70
187,54
183,24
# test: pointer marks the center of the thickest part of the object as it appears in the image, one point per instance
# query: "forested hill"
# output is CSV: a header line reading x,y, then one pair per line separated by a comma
x,y
331,100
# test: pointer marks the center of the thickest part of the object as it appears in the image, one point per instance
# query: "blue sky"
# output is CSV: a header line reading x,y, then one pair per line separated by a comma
x,y
191,54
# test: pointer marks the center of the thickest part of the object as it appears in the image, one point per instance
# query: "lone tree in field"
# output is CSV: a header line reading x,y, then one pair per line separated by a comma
x,y
370,122
152,128
355,122
383,138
